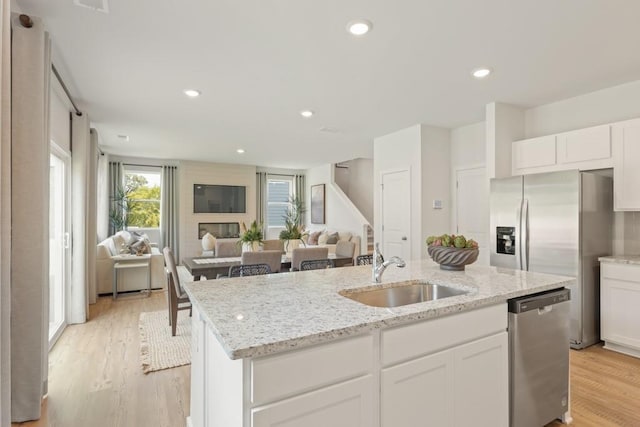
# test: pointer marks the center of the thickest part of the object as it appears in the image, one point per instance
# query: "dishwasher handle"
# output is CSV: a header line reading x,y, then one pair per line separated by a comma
x,y
539,301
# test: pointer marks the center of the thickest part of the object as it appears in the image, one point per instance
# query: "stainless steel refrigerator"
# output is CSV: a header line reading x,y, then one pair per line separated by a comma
x,y
557,223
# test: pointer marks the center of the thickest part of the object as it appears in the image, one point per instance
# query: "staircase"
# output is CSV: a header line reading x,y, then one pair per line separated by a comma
x,y
368,231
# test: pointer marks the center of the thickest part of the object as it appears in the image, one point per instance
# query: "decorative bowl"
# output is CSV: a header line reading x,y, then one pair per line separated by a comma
x,y
451,258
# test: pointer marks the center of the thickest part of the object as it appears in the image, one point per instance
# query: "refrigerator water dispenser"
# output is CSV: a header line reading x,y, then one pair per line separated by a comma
x,y
506,238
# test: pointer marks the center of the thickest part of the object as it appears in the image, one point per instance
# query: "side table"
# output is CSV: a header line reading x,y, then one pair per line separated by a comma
x,y
124,262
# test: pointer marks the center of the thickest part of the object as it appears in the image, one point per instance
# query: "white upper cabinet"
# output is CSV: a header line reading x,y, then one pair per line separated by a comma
x,y
534,153
586,145
626,173
584,149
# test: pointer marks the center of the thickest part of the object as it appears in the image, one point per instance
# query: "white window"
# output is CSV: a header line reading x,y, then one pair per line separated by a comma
x,y
279,192
142,185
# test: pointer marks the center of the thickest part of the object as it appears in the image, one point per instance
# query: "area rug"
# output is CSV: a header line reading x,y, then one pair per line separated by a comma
x,y
158,349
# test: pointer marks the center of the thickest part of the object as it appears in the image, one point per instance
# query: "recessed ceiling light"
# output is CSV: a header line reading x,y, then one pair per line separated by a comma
x,y
192,93
481,73
123,138
240,151
306,113
359,27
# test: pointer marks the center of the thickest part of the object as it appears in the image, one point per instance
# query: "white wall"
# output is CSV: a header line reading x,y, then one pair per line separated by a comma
x,y
436,172
190,173
425,151
339,213
355,178
468,151
604,106
400,150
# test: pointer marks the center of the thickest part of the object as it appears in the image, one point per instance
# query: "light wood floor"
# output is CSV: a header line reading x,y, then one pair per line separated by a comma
x,y
95,375
95,378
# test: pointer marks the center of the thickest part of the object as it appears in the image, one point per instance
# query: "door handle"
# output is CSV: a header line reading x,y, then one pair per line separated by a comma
x,y
519,236
404,237
66,241
525,240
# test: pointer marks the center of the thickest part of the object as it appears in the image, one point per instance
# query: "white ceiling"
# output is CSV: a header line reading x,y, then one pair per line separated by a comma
x,y
258,63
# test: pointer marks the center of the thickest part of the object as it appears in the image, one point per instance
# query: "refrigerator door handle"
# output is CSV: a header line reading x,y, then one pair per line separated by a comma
x,y
519,236
525,234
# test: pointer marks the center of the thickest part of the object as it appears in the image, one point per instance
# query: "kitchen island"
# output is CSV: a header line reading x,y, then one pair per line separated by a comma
x,y
290,350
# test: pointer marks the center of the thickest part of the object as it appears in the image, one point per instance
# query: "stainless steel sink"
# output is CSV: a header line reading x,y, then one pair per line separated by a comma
x,y
396,296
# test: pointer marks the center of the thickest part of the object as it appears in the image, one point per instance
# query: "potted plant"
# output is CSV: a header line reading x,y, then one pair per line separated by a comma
x,y
252,237
122,205
293,228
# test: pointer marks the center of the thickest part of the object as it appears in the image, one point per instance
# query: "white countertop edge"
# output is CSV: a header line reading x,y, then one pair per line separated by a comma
x,y
621,259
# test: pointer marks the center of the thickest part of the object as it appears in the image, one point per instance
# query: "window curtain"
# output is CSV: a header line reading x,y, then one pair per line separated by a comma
x,y
82,207
103,197
261,197
116,181
31,68
169,205
300,193
5,214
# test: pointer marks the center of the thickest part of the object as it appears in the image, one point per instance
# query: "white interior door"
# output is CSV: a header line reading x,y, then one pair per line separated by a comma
x,y
472,209
59,247
396,214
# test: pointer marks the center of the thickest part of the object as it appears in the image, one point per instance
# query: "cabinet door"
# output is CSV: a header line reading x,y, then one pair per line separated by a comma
x,y
620,314
534,153
349,404
481,382
584,148
626,173
419,392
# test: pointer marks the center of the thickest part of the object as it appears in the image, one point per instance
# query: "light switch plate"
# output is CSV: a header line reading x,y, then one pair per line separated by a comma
x,y
437,204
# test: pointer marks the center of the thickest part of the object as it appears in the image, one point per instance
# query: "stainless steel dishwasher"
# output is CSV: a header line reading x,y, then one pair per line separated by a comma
x,y
538,358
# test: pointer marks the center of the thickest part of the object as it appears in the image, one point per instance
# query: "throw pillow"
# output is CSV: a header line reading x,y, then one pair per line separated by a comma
x,y
322,239
313,238
332,239
141,245
345,236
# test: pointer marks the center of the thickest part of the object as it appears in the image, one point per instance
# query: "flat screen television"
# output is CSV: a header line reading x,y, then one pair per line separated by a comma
x,y
219,198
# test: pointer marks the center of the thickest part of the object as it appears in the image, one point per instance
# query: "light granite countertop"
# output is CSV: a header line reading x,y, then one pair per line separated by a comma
x,y
621,259
260,315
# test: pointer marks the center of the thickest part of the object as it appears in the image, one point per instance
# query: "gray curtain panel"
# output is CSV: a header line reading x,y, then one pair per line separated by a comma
x,y
261,197
5,214
169,205
31,70
92,214
301,193
116,180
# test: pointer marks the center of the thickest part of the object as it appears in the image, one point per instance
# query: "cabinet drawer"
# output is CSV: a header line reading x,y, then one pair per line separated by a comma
x,y
418,339
630,273
281,375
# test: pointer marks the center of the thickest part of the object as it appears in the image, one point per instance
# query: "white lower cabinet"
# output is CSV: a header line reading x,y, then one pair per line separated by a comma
x,y
619,307
462,386
419,390
481,382
349,404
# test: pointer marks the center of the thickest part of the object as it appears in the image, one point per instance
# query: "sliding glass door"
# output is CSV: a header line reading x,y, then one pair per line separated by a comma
x,y
59,241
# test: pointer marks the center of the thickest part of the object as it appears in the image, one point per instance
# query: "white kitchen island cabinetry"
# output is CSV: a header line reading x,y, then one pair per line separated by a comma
x,y
290,350
619,303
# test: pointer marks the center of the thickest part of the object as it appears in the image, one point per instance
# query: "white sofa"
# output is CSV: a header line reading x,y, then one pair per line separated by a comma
x,y
342,235
128,280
